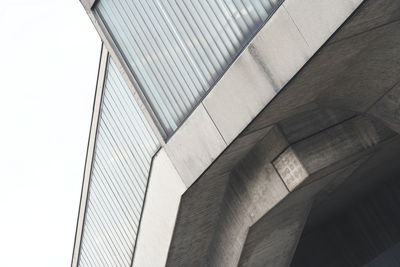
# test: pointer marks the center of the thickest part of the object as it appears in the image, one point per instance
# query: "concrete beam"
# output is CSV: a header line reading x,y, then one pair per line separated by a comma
x,y
261,180
161,205
256,186
248,197
354,69
278,51
309,156
203,202
273,239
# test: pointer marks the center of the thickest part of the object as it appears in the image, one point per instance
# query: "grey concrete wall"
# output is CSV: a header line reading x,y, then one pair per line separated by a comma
x,y
273,57
224,226
351,72
158,219
344,74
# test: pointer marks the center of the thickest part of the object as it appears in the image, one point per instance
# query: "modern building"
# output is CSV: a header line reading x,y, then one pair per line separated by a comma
x,y
243,133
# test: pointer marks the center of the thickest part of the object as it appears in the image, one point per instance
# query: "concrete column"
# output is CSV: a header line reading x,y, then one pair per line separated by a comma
x,y
259,186
272,241
248,197
254,214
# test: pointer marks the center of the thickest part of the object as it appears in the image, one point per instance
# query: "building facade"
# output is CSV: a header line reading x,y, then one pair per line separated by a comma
x,y
243,133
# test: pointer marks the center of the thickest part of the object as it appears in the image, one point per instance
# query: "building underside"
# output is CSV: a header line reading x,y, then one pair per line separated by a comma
x,y
315,176
291,158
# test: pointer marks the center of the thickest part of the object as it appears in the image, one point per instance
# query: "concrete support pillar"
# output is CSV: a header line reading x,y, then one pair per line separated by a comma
x,y
262,181
311,158
272,241
253,189
254,214
246,200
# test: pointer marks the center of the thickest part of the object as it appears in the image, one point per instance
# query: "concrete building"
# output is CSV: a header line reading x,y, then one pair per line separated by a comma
x,y
243,133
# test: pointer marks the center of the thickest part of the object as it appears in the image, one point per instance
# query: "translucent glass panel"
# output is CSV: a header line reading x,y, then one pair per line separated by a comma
x,y
178,49
124,148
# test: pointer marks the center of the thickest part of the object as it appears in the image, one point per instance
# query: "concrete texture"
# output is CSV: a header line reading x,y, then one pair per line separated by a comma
x,y
350,207
159,213
273,239
258,183
318,20
266,65
308,156
250,194
329,124
261,165
353,70
195,145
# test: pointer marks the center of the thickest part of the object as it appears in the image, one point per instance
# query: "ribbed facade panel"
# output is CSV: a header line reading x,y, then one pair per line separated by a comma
x,y
178,49
125,145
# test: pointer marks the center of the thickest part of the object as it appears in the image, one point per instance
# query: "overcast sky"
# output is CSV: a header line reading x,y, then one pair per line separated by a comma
x,y
48,67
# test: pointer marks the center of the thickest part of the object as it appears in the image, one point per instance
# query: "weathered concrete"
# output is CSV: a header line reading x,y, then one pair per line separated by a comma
x,y
159,213
266,65
325,118
250,194
195,144
188,249
247,202
318,20
353,70
259,182
308,156
273,239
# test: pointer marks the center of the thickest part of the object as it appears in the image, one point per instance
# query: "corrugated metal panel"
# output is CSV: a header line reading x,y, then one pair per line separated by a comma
x,y
125,145
178,49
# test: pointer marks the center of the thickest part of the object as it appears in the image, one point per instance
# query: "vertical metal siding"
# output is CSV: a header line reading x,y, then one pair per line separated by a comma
x,y
178,49
125,145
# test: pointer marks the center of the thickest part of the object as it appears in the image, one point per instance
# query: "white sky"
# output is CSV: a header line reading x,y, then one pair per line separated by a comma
x,y
48,67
